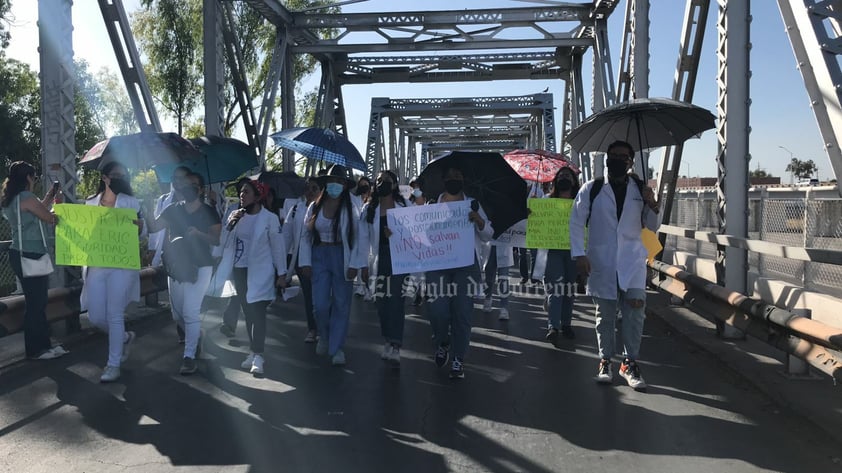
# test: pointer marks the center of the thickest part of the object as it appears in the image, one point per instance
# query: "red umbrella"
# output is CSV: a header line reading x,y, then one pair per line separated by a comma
x,y
140,150
538,165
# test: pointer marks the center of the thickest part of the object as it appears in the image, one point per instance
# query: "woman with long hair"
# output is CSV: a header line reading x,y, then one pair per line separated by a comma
x,y
374,242
255,256
107,291
330,256
18,202
198,225
560,268
293,230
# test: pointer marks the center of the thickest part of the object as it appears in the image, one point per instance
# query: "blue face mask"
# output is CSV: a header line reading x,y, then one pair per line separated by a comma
x,y
334,189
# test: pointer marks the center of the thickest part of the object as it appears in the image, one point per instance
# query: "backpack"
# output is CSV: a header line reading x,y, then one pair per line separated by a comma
x,y
597,187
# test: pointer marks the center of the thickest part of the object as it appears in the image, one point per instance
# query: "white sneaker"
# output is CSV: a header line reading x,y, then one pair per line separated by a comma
x,y
248,362
59,351
387,351
367,297
127,346
257,365
504,314
338,359
359,290
487,305
395,355
604,375
110,374
321,346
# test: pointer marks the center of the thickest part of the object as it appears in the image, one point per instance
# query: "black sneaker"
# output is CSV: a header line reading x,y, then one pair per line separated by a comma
x,y
457,371
227,331
552,335
442,356
567,332
188,366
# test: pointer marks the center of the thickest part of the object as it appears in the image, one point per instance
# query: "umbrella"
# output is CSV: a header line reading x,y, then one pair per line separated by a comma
x,y
287,185
538,165
140,150
321,144
644,123
489,179
222,159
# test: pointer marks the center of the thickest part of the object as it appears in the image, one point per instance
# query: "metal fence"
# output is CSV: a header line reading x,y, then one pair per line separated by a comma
x,y
799,218
8,283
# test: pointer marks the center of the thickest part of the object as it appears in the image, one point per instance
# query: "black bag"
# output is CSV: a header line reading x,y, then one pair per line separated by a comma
x,y
178,261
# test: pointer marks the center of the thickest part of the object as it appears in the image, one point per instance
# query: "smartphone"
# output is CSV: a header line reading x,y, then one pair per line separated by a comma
x,y
56,186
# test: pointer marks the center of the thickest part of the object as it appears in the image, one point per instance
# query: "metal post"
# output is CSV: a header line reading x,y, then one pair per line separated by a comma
x,y
214,69
733,157
764,195
640,70
807,235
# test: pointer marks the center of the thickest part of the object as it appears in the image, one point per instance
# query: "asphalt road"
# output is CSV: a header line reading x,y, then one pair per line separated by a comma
x,y
523,406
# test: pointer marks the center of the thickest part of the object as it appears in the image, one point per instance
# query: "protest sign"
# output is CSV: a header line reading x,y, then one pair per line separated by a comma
x,y
548,225
514,236
430,237
88,235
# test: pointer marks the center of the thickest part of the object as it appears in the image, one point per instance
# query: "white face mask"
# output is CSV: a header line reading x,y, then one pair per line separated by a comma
x,y
334,189
417,193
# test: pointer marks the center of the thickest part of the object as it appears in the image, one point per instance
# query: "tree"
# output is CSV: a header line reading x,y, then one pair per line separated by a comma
x,y
5,7
20,118
801,169
117,115
759,173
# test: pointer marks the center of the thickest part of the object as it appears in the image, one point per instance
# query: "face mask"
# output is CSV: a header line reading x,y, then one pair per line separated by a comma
x,y
189,193
384,189
453,186
334,189
120,186
616,168
563,185
417,193
363,190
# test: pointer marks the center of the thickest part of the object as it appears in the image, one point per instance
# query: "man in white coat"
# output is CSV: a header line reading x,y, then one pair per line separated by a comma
x,y
615,257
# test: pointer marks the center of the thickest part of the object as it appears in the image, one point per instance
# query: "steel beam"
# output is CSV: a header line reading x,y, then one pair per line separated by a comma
x,y
238,75
214,73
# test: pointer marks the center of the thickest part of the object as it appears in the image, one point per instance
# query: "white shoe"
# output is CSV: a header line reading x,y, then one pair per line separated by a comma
x,y
359,290
59,351
127,346
367,297
504,314
248,362
110,374
395,355
257,365
487,305
387,351
338,359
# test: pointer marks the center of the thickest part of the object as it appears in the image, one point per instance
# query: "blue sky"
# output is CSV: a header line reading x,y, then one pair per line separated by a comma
x,y
780,112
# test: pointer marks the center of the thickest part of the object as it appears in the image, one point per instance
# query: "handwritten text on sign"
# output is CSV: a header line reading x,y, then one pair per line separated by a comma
x,y
548,225
431,237
514,236
88,235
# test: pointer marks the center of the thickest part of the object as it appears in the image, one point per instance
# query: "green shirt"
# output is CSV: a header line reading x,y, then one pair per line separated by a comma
x,y
32,241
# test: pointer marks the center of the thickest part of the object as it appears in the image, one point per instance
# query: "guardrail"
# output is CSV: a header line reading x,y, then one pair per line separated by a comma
x,y
817,344
64,301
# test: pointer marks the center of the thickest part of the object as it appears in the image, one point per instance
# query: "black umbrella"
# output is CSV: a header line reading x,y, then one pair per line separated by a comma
x,y
140,150
488,178
643,123
222,159
287,185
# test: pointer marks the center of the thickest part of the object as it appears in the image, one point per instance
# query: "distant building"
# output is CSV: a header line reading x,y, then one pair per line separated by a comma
x,y
696,182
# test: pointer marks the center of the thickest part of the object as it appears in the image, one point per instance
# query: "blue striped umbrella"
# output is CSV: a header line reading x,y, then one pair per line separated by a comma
x,y
322,145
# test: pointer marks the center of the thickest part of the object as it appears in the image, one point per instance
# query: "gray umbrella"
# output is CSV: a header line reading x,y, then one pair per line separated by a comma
x,y
644,123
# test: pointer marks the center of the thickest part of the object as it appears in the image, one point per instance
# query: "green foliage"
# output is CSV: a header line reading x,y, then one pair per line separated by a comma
x,y
801,169
88,107
20,119
117,116
5,7
759,173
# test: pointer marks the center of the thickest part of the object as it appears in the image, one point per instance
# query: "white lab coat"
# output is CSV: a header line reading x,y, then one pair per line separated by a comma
x,y
615,249
293,231
156,239
353,257
267,259
132,276
370,239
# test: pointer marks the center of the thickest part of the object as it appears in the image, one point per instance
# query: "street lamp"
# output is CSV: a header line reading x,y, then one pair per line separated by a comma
x,y
791,158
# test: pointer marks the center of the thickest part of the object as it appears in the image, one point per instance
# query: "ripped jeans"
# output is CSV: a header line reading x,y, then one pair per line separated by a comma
x,y
631,304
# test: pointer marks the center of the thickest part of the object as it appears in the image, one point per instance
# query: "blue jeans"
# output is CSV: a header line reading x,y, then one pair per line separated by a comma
x,y
496,278
388,293
36,329
331,295
560,285
450,307
632,331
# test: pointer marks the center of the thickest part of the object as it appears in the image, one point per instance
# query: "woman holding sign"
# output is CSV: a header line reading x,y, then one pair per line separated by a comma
x,y
559,269
330,255
107,291
388,287
26,214
450,313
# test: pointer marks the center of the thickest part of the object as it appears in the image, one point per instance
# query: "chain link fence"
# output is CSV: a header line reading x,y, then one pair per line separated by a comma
x,y
805,222
8,283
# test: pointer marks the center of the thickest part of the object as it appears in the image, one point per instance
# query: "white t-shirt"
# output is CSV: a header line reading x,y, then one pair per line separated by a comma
x,y
325,228
244,232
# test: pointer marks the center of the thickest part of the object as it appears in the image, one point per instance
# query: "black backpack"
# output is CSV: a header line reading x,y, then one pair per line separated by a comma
x,y
597,187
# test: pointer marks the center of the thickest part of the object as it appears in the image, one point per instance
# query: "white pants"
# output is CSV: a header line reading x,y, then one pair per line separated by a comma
x,y
108,296
186,305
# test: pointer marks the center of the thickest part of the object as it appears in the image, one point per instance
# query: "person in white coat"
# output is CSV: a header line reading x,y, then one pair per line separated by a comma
x,y
388,287
293,230
107,291
615,257
500,259
331,256
450,313
254,257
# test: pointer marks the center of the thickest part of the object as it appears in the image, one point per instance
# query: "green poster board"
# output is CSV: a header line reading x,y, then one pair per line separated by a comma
x,y
88,235
548,225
